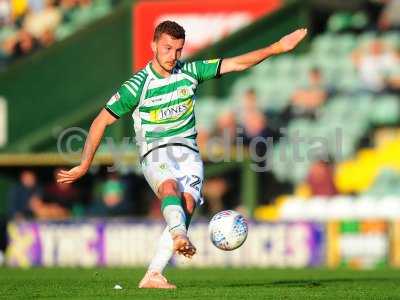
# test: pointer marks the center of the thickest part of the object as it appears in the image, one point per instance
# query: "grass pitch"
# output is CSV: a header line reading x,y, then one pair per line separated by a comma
x,y
204,284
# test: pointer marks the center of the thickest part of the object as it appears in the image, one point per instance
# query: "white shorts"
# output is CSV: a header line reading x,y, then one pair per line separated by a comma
x,y
175,162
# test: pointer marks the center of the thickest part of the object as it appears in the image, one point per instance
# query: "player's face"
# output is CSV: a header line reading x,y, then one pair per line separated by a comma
x,y
167,51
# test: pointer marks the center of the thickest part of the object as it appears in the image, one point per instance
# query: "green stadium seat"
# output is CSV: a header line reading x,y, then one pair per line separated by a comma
x,y
386,110
101,7
392,38
323,43
386,183
205,111
83,16
6,32
350,112
303,127
240,86
65,30
366,37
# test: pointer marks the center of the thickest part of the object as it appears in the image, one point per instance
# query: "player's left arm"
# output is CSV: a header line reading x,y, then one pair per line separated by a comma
x,y
250,59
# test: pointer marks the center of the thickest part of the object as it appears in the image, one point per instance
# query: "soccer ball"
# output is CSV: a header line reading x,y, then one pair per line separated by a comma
x,y
228,230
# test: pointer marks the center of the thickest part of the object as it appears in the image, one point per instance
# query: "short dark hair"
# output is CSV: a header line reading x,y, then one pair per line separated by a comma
x,y
315,70
171,28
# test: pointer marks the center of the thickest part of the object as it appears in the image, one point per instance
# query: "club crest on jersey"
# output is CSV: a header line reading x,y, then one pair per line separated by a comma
x,y
114,99
183,92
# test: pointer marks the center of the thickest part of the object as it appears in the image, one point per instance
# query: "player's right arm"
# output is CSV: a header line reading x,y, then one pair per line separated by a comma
x,y
96,132
120,104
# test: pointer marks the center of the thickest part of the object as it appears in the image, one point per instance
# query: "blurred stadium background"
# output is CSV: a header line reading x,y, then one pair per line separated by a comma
x,y
61,60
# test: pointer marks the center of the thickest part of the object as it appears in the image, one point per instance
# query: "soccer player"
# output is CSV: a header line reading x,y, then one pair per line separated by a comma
x,y
161,100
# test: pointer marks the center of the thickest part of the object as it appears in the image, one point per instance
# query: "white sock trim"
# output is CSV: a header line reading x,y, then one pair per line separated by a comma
x,y
175,218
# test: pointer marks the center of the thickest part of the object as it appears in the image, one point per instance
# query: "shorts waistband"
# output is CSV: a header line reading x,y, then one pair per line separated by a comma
x,y
166,145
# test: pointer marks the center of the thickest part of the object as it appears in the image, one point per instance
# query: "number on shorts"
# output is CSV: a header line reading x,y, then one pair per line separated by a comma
x,y
196,182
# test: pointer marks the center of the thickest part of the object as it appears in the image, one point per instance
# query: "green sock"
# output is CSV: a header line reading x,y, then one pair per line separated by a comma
x,y
170,200
174,214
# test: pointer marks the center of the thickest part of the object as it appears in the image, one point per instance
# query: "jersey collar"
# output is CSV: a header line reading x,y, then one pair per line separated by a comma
x,y
153,73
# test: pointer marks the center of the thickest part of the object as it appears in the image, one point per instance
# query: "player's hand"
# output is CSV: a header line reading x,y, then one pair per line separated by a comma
x,y
72,175
290,41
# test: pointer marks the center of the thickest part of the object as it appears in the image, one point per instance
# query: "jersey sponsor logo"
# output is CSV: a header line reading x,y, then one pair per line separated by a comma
x,y
173,112
114,99
170,113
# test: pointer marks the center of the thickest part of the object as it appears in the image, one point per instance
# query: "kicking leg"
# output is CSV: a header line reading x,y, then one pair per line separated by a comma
x,y
174,210
165,246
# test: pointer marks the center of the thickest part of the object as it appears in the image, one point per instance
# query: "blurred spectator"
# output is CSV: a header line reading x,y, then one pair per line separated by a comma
x,y
58,201
111,201
27,25
214,190
390,16
249,101
248,104
256,132
202,138
48,211
222,138
154,212
375,66
18,9
222,191
22,195
255,124
5,12
68,7
40,24
36,5
321,180
307,100
227,127
85,3
8,40
47,38
256,135
25,44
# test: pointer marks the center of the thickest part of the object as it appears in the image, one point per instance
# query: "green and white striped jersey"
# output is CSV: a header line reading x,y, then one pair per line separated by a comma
x,y
163,108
